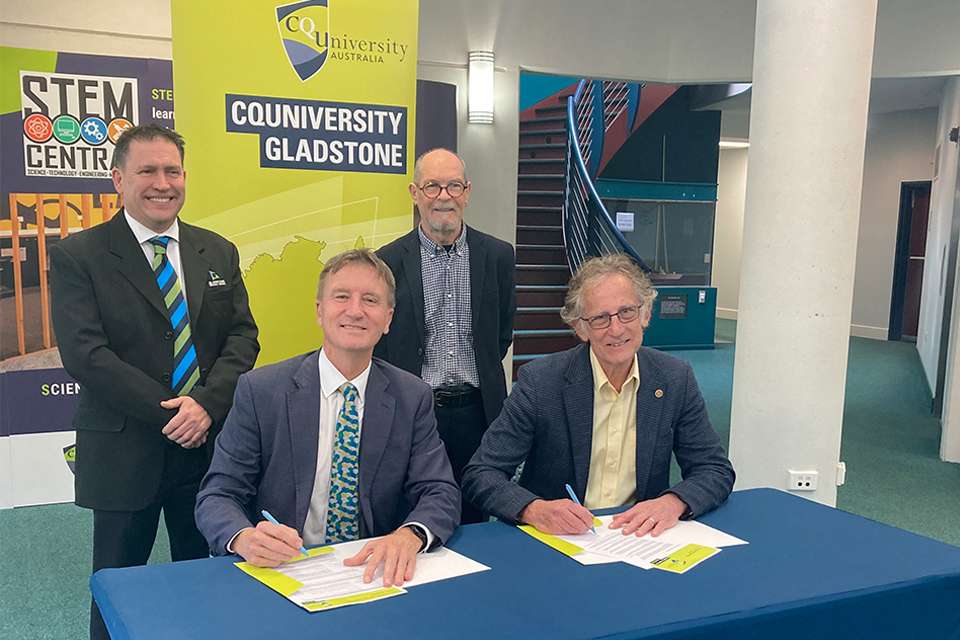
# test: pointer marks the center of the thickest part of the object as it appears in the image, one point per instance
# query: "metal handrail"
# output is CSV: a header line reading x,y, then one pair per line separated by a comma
x,y
588,229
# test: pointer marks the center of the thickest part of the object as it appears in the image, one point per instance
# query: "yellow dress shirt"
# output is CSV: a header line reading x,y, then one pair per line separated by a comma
x,y
613,457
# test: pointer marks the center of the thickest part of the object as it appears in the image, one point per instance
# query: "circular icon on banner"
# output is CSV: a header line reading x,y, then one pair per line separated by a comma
x,y
93,130
116,127
66,128
38,127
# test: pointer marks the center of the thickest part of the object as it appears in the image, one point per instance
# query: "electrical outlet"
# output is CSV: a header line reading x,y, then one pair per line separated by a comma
x,y
802,480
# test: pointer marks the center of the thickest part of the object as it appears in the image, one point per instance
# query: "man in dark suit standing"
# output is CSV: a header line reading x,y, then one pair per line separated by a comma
x,y
333,444
152,319
455,304
604,417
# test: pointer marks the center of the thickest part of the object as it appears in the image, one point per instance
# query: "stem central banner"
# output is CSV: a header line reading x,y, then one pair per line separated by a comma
x,y
299,120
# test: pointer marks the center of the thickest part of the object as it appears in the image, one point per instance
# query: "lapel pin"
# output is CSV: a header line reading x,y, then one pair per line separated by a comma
x,y
658,393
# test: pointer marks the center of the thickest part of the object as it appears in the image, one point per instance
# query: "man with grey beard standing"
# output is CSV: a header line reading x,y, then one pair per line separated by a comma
x,y
454,312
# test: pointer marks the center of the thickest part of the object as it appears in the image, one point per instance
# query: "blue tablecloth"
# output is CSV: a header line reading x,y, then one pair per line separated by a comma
x,y
809,572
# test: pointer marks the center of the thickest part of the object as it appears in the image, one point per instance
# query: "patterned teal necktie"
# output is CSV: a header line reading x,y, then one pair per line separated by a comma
x,y
342,521
186,371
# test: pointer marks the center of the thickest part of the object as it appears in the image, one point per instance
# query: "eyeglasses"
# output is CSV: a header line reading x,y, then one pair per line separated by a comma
x,y
454,189
603,320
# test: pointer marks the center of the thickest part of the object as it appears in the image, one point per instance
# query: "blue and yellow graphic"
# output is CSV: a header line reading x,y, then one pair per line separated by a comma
x,y
304,32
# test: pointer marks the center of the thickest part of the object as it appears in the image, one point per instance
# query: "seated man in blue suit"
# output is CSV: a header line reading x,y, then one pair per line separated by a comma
x,y
335,444
604,417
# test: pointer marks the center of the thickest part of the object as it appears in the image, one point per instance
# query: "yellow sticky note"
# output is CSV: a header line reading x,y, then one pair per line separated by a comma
x,y
685,558
564,547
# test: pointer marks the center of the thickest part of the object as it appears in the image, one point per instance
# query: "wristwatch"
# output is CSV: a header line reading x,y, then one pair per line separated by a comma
x,y
420,533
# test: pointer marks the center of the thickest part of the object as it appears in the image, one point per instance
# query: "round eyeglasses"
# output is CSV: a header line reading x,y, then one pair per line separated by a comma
x,y
454,189
603,320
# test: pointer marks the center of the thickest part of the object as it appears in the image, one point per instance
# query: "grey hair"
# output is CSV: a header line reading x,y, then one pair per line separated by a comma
x,y
595,269
362,256
417,174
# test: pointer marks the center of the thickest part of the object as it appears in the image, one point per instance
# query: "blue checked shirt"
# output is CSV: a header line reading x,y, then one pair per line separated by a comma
x,y
448,358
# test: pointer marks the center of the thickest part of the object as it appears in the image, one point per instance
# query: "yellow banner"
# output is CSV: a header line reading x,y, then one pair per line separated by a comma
x,y
299,121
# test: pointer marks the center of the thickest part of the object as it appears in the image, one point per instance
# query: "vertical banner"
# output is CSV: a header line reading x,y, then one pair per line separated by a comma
x,y
299,121
60,115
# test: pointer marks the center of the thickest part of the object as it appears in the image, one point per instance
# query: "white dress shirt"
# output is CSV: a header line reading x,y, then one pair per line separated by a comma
x,y
143,236
331,403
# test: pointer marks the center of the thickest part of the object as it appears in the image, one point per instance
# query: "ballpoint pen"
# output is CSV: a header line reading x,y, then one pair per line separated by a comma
x,y
573,496
270,518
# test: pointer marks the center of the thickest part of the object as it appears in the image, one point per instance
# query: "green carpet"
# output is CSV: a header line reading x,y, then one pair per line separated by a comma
x,y
890,444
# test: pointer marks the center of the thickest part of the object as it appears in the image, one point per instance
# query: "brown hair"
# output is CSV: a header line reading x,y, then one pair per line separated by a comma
x,y
362,256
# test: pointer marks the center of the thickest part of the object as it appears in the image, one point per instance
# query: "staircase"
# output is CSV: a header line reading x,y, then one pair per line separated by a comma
x,y
542,271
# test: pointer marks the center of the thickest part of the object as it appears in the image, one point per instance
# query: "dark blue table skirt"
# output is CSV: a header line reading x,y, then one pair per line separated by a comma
x,y
809,572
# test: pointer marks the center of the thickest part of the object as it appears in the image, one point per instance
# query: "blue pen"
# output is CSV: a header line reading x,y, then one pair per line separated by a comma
x,y
270,518
573,496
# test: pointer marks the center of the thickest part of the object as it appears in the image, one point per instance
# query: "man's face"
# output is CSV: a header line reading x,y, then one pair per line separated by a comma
x,y
353,310
615,345
152,182
443,215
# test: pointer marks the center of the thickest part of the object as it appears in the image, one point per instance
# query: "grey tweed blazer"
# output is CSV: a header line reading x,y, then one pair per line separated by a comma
x,y
548,421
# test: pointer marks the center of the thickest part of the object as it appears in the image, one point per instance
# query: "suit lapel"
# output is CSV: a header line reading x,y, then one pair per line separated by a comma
x,y
578,401
195,270
132,263
649,410
303,413
478,270
412,272
378,412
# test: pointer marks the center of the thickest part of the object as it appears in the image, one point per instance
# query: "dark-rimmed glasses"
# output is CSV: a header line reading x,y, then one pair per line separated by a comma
x,y
603,320
454,189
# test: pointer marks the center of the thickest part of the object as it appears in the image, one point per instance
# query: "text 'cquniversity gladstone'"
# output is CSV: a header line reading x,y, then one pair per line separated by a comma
x,y
327,136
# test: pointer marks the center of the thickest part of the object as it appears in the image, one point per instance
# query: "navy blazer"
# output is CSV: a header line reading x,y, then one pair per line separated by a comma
x,y
266,455
548,421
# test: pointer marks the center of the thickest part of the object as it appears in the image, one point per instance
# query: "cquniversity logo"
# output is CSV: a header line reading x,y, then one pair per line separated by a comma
x,y
304,28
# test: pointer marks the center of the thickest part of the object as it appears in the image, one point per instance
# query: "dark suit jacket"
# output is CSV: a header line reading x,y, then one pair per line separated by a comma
x,y
116,340
492,302
266,455
548,421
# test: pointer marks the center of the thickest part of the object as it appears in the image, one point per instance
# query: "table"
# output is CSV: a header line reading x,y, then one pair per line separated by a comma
x,y
809,571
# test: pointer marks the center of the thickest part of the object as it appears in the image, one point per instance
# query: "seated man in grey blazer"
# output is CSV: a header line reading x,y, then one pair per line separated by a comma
x,y
604,417
335,444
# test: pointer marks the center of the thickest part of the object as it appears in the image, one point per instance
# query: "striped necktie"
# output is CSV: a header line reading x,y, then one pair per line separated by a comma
x,y
342,522
186,371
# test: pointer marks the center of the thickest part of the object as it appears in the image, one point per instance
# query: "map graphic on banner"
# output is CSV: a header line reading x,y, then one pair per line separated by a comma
x,y
307,140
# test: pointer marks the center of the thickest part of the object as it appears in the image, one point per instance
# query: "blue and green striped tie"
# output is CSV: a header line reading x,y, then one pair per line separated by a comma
x,y
186,371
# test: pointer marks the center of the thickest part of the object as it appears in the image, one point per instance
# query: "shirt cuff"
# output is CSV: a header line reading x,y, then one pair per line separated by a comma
x,y
422,527
232,538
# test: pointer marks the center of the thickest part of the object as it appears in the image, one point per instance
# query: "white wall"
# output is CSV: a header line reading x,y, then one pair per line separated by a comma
x,y
899,149
944,199
938,233
728,237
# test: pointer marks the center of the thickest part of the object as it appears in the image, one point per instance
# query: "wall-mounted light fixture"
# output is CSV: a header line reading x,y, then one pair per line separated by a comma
x,y
480,92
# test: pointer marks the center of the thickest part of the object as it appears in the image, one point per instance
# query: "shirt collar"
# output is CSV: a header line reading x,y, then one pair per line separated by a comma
x,y
143,233
331,379
600,377
432,248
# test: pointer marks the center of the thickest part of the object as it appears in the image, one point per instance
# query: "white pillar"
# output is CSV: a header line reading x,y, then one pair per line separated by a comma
x,y
808,117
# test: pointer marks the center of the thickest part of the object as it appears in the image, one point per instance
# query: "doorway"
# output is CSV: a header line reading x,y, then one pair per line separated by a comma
x,y
908,263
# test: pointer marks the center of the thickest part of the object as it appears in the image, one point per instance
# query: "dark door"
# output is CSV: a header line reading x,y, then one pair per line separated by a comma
x,y
908,266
